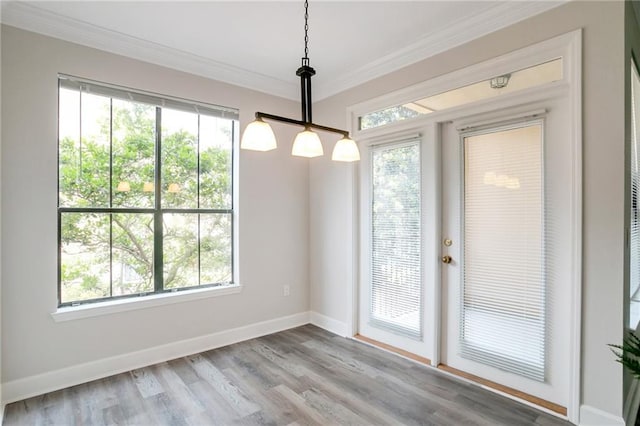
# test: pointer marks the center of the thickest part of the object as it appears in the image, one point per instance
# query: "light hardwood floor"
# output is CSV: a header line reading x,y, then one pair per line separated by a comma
x,y
300,376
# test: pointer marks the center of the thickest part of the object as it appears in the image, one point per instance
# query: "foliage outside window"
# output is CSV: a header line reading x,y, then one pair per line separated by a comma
x,y
396,252
145,193
386,116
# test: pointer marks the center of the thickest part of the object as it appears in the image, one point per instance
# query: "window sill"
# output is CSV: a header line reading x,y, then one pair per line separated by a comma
x,y
136,303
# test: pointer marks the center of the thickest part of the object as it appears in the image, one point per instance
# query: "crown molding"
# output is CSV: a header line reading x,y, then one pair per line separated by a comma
x,y
32,18
461,32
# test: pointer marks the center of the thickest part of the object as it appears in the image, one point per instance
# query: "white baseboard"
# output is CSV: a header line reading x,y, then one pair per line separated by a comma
x,y
59,379
329,324
591,416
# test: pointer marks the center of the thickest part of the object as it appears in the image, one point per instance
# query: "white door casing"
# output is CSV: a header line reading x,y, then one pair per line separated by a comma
x,y
562,95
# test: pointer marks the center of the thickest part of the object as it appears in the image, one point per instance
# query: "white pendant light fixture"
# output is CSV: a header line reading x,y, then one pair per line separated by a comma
x,y
345,150
123,186
307,144
259,136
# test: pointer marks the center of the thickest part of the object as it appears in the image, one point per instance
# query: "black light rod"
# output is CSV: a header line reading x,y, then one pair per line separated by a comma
x,y
301,123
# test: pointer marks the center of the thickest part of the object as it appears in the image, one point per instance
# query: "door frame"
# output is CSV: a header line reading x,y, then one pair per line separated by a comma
x,y
430,220
569,47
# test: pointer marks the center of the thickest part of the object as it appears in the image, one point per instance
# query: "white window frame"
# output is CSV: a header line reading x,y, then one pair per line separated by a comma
x,y
114,306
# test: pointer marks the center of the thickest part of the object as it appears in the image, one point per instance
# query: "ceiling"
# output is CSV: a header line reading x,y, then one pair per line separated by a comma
x,y
259,44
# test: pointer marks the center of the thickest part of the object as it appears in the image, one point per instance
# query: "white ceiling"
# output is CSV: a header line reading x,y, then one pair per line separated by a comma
x,y
259,44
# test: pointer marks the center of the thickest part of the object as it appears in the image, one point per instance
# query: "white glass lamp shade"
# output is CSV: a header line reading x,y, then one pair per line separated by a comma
x,y
307,144
258,136
346,150
148,187
123,186
174,188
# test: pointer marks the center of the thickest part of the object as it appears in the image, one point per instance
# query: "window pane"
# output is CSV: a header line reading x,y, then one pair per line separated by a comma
x,y
180,250
132,252
386,116
69,161
133,154
396,289
84,256
504,291
507,83
84,154
179,159
215,248
108,147
216,142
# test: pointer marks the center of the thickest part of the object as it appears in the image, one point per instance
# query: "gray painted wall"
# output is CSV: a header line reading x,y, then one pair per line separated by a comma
x,y
288,211
603,193
273,215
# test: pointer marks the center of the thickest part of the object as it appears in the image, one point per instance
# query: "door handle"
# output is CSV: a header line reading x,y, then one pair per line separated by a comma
x,y
446,259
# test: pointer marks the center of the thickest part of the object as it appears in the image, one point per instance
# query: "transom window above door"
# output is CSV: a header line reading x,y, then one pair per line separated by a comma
x,y
498,85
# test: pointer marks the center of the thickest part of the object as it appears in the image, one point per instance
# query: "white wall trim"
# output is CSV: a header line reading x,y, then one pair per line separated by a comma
x,y
59,379
33,18
135,303
334,326
463,31
591,416
526,57
574,75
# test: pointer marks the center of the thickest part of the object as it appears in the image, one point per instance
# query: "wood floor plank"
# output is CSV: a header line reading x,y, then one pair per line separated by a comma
x,y
359,404
217,410
292,401
146,382
130,401
302,376
177,390
223,386
337,413
343,359
403,410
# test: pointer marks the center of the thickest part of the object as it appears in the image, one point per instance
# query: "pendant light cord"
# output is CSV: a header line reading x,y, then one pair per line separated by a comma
x,y
305,60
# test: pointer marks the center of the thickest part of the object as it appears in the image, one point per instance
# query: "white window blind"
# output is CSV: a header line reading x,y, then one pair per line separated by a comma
x,y
163,101
634,237
503,300
396,290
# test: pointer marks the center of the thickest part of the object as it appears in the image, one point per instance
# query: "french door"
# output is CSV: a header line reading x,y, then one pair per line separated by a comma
x,y
466,247
506,203
392,302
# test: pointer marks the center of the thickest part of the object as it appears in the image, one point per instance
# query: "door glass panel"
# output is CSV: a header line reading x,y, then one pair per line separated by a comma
x,y
503,296
396,290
